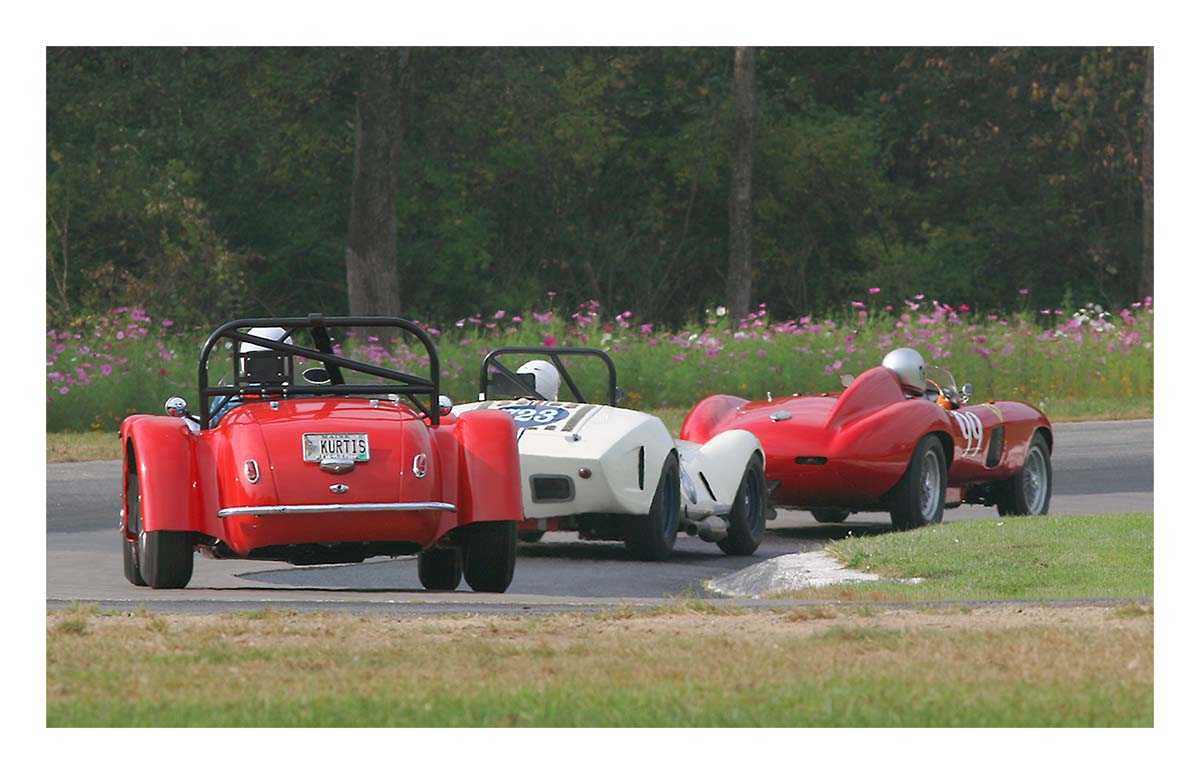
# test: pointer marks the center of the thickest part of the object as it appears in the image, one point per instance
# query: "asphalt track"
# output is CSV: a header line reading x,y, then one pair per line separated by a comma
x,y
1099,467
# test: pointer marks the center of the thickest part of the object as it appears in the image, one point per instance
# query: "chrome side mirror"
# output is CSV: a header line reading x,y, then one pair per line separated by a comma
x,y
316,375
444,404
620,396
847,379
176,407
967,391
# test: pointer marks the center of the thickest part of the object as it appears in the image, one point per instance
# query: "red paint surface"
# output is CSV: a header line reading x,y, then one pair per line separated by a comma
x,y
186,477
867,435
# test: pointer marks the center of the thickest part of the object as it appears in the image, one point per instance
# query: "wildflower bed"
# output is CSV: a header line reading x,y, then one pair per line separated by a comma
x,y
104,367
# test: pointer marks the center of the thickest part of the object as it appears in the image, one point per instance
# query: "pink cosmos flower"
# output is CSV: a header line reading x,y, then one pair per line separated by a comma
x,y
499,314
872,291
549,341
1023,291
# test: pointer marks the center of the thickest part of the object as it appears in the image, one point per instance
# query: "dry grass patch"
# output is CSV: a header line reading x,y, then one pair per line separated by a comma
x,y
806,666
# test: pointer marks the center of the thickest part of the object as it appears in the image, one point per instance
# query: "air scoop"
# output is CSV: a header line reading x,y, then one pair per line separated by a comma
x,y
337,465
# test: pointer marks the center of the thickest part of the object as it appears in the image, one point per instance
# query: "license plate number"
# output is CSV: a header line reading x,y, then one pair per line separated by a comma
x,y
326,446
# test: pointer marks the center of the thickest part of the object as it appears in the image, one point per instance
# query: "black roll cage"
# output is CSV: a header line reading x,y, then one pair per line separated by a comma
x,y
554,354
410,386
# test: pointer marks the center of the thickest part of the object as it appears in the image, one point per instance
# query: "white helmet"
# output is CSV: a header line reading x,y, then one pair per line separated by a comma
x,y
260,365
545,378
909,366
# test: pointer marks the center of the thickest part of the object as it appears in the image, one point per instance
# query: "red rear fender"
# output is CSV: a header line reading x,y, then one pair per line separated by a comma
x,y
165,452
489,467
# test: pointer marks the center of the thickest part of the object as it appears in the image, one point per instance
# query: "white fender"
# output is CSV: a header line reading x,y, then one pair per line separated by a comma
x,y
720,463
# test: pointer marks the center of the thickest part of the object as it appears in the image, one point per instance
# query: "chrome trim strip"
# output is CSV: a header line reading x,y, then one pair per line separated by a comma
x,y
271,510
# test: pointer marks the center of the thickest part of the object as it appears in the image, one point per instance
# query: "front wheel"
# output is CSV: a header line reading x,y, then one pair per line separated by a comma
x,y
920,497
489,555
747,517
440,569
652,537
1028,492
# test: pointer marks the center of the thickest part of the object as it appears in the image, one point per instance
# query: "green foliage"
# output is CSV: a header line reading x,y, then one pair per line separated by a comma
x,y
214,182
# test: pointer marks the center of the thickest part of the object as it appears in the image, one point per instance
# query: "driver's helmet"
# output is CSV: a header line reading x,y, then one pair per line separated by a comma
x,y
909,367
545,378
259,365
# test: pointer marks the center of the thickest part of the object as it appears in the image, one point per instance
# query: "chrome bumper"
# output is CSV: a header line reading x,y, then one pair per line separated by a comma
x,y
273,510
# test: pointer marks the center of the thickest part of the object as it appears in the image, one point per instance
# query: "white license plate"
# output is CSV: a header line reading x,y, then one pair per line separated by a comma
x,y
344,446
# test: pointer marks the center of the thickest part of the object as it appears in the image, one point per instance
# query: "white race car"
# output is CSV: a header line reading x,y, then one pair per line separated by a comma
x,y
612,473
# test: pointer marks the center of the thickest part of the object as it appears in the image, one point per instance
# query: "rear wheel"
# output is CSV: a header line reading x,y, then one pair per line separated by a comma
x,y
165,558
133,522
920,497
489,554
829,515
440,569
1028,492
652,537
747,517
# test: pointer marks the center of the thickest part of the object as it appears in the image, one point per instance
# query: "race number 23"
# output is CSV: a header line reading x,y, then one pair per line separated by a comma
x,y
532,416
971,427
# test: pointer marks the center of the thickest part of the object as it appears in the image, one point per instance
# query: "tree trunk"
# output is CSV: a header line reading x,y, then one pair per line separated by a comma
x,y
372,280
741,236
1147,282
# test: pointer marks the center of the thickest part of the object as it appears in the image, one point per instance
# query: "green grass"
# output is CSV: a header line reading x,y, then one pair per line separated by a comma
x,y
95,380
777,668
1044,557
102,445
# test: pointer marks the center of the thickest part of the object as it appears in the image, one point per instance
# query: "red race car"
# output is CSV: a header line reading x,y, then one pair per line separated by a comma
x,y
335,462
899,438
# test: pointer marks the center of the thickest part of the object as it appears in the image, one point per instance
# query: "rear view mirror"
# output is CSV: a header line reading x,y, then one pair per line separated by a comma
x,y
847,379
620,397
967,391
316,375
176,407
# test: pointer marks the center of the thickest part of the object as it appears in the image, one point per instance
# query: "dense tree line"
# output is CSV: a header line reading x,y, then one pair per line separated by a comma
x,y
206,183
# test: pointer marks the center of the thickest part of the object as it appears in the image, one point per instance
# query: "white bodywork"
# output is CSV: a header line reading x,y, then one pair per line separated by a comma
x,y
560,438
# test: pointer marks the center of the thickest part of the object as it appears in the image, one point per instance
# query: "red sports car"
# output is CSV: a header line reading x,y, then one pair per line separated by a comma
x,y
899,438
335,462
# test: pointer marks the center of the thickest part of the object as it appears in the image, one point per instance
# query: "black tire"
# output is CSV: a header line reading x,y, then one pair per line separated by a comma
x,y
652,537
748,516
489,555
829,515
165,558
532,536
920,498
440,569
133,520
1028,492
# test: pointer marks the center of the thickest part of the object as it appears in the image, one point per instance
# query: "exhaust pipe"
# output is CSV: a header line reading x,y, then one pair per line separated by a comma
x,y
712,529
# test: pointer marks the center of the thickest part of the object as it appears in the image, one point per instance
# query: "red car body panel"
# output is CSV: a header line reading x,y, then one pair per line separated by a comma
x,y
849,449
186,478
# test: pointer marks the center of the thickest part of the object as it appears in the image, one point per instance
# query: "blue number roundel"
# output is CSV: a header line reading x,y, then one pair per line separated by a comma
x,y
535,416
